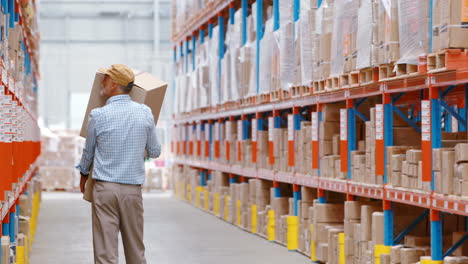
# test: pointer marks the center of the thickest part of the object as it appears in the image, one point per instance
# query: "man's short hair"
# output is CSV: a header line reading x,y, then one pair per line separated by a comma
x,y
128,88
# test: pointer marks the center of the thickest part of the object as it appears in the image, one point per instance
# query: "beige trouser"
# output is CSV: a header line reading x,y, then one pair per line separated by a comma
x,y
117,207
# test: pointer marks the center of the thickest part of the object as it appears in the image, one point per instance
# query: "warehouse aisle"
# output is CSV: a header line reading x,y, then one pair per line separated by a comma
x,y
175,233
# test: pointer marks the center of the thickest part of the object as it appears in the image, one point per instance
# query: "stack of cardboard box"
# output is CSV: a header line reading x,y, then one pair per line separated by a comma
x,y
461,168
280,149
327,220
329,132
370,150
303,148
61,152
410,170
231,140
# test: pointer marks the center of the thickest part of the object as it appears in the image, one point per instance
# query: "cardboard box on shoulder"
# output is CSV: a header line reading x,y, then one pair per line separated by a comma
x,y
147,90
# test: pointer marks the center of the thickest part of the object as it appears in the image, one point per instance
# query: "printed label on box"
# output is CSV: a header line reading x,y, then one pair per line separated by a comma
x,y
240,130
216,134
228,130
271,126
314,126
198,132
343,124
426,136
290,127
254,130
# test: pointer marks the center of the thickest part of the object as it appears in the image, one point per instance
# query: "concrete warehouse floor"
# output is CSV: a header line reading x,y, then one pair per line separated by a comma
x,y
175,233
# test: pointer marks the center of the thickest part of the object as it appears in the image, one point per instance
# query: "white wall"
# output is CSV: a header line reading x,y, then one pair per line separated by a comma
x,y
78,37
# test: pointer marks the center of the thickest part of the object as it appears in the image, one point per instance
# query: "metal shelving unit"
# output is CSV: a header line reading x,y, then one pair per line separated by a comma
x,y
438,89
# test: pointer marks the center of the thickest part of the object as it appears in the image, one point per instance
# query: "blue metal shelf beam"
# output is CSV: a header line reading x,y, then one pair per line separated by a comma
x,y
413,224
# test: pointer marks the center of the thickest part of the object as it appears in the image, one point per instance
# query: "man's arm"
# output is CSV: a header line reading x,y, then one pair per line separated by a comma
x,y
152,145
90,146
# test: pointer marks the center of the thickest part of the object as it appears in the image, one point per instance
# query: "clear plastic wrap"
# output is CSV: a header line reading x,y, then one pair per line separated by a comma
x,y
413,30
344,35
364,35
266,48
324,23
448,29
213,54
286,9
203,75
194,90
226,89
306,36
253,69
287,55
235,72
233,42
246,67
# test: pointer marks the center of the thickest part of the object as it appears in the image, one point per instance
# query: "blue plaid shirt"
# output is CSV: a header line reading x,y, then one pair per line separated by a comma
x,y
118,134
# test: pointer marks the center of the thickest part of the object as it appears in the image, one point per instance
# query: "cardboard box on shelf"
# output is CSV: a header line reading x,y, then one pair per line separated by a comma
x,y
366,221
448,30
411,255
417,241
461,153
461,171
329,213
147,90
395,254
6,249
352,210
378,228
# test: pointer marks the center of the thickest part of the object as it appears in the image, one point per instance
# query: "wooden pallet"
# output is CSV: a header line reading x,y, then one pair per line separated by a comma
x,y
263,98
298,91
405,69
306,90
446,60
344,81
279,95
353,79
295,91
230,105
368,75
386,71
248,101
318,86
333,83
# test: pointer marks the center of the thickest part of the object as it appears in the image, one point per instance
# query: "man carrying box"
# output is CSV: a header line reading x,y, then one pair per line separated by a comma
x,y
117,136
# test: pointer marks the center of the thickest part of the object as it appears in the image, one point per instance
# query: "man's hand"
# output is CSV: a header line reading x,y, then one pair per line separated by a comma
x,y
83,180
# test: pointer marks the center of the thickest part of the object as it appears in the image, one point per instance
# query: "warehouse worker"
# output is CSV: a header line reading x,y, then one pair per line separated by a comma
x,y
117,136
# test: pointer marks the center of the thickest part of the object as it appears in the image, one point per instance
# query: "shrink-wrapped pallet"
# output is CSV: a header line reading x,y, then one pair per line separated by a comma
x,y
214,67
413,30
344,36
364,35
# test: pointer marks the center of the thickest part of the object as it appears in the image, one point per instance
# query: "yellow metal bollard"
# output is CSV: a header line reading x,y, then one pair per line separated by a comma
x,y
379,250
198,191
216,204
293,232
313,254
189,192
207,200
254,218
271,225
226,207
341,242
238,212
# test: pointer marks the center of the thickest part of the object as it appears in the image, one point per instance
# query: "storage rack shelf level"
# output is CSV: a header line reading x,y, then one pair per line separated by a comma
x,y
432,86
430,200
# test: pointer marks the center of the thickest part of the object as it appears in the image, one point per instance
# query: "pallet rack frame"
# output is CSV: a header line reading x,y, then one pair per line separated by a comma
x,y
433,86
